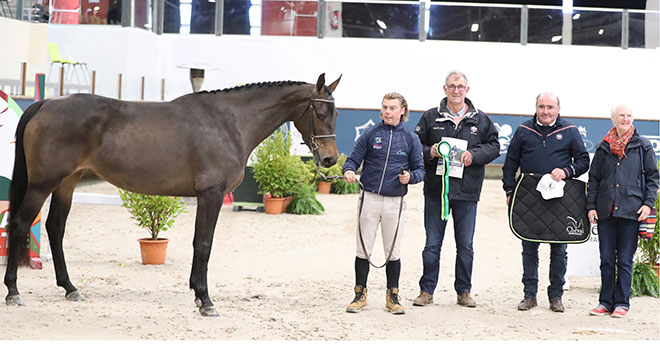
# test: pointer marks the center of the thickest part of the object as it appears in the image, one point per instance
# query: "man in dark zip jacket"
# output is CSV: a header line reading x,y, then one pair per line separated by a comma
x,y
546,144
392,157
456,117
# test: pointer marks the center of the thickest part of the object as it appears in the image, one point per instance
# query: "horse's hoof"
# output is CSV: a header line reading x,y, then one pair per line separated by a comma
x,y
14,300
198,302
74,296
208,311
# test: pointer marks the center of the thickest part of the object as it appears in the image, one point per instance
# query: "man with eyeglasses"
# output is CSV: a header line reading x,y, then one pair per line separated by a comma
x,y
544,144
472,137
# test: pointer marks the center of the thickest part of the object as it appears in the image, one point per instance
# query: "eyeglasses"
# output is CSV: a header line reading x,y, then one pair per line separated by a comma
x,y
453,87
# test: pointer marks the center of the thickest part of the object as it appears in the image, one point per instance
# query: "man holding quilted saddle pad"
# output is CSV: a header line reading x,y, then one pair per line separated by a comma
x,y
545,144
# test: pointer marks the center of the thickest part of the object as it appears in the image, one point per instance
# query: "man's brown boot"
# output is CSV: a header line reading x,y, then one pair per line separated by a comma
x,y
360,300
527,303
465,300
423,299
557,306
392,302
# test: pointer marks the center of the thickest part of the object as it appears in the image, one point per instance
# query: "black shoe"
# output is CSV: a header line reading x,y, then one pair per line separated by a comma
x,y
557,306
527,303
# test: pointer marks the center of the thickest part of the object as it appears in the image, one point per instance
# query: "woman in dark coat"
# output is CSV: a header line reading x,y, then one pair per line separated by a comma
x,y
617,203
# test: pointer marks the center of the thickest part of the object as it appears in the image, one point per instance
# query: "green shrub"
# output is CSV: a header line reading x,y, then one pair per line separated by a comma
x,y
339,186
644,281
304,201
153,212
276,171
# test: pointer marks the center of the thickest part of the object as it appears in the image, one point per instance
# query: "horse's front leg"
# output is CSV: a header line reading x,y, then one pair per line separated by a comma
x,y
209,203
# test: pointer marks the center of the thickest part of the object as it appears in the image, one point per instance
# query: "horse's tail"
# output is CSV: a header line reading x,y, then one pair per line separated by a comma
x,y
19,178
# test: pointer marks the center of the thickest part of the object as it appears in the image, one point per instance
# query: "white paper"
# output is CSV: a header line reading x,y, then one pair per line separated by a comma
x,y
458,147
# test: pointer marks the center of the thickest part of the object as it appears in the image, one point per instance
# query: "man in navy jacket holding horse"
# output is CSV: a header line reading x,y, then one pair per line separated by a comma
x,y
392,157
545,144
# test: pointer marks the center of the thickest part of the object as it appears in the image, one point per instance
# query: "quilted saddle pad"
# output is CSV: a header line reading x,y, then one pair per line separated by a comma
x,y
559,220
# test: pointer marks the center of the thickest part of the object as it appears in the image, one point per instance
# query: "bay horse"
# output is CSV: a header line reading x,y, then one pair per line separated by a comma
x,y
133,146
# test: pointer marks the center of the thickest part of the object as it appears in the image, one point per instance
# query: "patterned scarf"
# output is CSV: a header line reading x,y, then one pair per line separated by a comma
x,y
618,144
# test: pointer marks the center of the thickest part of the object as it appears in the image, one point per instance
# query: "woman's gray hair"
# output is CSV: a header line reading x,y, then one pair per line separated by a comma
x,y
402,100
458,73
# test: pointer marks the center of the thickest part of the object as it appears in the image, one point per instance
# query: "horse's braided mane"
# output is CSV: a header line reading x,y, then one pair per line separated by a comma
x,y
253,85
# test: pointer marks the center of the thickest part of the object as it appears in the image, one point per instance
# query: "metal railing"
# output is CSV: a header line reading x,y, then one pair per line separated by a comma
x,y
421,20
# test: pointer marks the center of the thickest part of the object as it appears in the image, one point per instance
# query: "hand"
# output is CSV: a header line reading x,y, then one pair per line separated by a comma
x,y
593,216
434,150
508,200
466,158
349,176
404,177
558,174
643,213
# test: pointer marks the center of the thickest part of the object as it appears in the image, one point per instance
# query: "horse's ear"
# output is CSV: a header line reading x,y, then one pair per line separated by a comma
x,y
320,83
333,86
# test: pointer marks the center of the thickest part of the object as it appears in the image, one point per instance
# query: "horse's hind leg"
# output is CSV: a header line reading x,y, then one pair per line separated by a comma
x,y
60,205
209,203
19,226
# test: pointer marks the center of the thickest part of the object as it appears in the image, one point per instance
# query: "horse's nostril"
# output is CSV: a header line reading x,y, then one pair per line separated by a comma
x,y
329,161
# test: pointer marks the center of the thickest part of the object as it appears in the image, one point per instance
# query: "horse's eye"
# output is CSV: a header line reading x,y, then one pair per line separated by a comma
x,y
320,116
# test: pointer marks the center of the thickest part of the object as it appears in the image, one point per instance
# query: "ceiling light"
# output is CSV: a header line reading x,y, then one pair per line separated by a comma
x,y
576,16
601,31
381,24
475,27
556,38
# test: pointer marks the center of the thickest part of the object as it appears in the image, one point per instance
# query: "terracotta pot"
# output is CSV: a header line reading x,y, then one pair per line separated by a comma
x,y
153,252
286,202
324,187
273,205
656,268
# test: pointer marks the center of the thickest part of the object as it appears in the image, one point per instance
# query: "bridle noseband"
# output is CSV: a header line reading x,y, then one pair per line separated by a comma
x,y
312,138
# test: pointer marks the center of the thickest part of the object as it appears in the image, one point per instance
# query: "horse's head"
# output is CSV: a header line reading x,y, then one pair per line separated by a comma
x,y
318,125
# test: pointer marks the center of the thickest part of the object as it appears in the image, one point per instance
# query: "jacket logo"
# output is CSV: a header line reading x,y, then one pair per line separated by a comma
x,y
559,136
573,227
417,129
473,130
436,128
378,143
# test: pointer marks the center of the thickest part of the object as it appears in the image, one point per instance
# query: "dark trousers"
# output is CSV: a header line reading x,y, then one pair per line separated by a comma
x,y
530,261
617,240
464,214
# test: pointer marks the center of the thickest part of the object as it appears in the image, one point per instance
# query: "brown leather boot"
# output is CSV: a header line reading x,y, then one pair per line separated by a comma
x,y
360,300
392,302
423,299
527,303
465,300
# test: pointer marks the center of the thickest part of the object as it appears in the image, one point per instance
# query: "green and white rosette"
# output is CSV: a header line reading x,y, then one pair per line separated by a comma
x,y
443,148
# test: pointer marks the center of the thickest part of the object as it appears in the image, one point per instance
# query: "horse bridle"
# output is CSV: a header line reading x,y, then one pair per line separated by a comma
x,y
314,146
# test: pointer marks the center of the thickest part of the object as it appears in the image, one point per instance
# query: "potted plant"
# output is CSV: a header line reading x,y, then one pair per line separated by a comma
x,y
276,171
646,276
304,201
155,213
323,185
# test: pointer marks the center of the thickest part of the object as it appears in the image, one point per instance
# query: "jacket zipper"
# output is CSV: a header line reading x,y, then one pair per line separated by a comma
x,y
387,158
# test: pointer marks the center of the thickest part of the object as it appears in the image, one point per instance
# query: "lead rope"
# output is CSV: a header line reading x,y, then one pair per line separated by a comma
x,y
396,232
